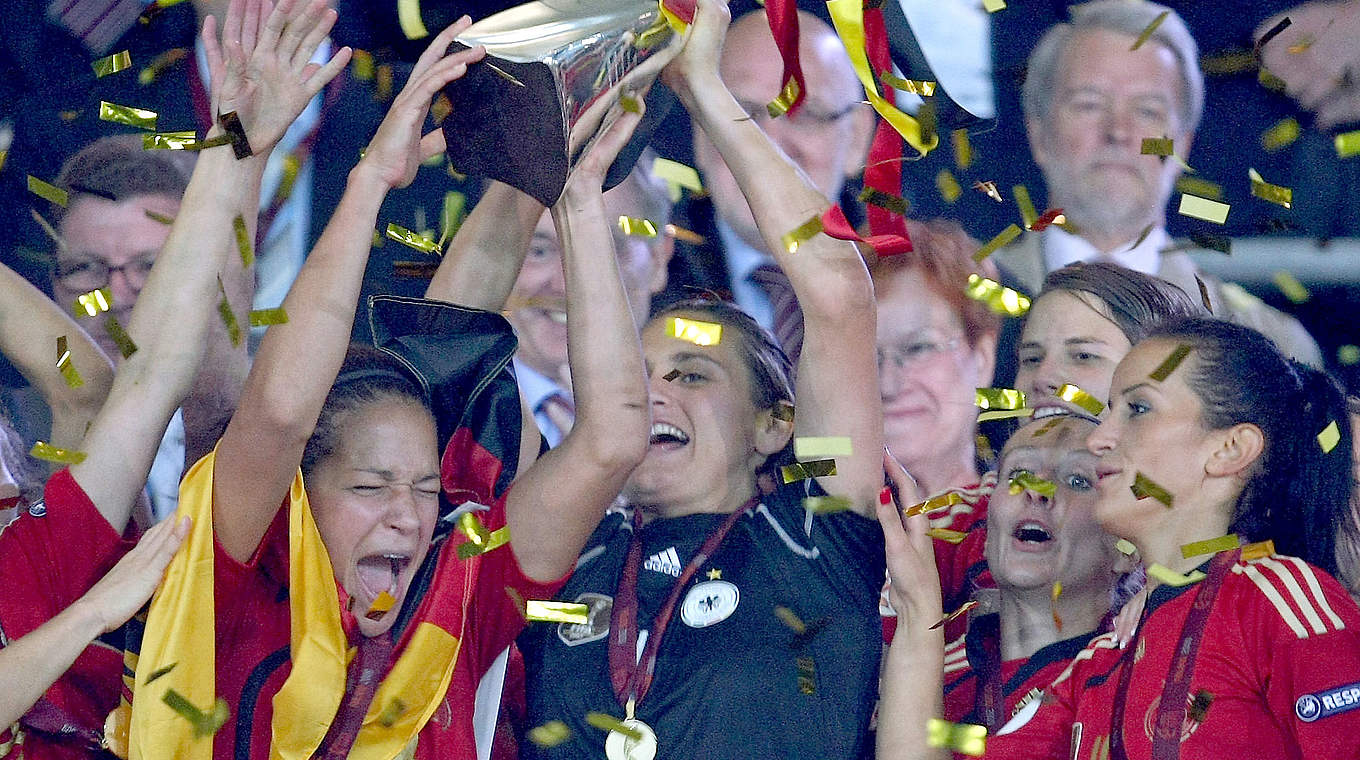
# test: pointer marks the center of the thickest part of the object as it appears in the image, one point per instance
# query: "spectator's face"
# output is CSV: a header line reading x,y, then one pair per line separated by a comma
x,y
1033,540
1108,98
538,301
376,500
1067,341
111,243
927,373
828,138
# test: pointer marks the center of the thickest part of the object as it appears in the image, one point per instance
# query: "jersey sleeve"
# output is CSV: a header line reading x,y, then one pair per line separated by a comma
x,y
52,554
1303,634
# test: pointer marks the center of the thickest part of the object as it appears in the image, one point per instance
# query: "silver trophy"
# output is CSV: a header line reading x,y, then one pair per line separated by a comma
x,y
553,69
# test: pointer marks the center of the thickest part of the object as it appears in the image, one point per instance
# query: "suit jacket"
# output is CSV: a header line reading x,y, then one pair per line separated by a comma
x,y
1024,260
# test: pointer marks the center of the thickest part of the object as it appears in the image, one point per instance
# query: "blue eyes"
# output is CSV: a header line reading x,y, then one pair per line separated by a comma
x,y
1079,482
1137,408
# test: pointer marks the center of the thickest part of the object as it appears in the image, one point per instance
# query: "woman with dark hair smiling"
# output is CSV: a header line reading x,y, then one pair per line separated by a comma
x,y
1213,440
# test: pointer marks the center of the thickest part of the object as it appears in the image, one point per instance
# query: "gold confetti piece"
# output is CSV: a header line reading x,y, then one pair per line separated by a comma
x,y
119,336
949,188
451,215
498,538
228,316
669,376
211,142
1282,196
920,87
133,117
606,722
1172,578
1203,208
1157,146
1027,213
51,453
47,191
68,369
243,243
1170,363
1302,45
160,672
790,618
784,101
1201,187
933,503
816,468
1280,134
292,165
926,119
1146,34
92,303
1209,546
825,505
170,140
1053,604
1348,354
381,606
1290,286
968,605
695,331
1047,426
1269,81
383,81
440,109
1348,144
1024,480
999,398
1074,395
821,447
472,527
807,675
536,611
1125,547
412,240
391,713
1002,238
1329,437
946,535
1199,705
266,317
992,6
989,188
1258,550
629,103
782,410
112,64
1232,62
999,298
550,734
801,234
159,64
409,17
1143,487
4,154
204,723
677,176
637,226
362,62
963,149
684,235
1004,414
873,197
964,738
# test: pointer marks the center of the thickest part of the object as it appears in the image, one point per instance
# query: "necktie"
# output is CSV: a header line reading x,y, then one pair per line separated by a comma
x,y
788,318
365,675
561,412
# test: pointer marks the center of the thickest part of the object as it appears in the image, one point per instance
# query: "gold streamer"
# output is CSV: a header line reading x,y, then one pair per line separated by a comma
x,y
1074,395
266,317
1143,487
801,234
48,191
92,303
1002,238
183,140
1209,546
243,243
999,298
999,398
949,188
1170,363
637,226
228,316
112,64
49,453
412,240
536,611
119,336
1172,578
695,331
1203,208
817,468
1146,34
1280,134
68,369
133,117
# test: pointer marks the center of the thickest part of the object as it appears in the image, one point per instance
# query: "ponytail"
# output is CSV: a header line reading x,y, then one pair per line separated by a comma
x,y
1296,494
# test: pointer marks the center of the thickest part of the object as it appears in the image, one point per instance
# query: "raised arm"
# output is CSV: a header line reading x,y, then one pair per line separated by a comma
x,y
837,386
262,79
555,504
30,324
297,361
486,253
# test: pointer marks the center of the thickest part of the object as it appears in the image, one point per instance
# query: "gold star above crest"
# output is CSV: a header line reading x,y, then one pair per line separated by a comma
x,y
715,574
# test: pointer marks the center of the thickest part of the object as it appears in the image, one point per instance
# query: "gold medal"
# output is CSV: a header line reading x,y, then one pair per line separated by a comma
x,y
620,746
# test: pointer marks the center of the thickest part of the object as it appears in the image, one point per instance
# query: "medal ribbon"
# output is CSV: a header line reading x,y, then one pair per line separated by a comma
x,y
46,718
989,699
1166,732
630,676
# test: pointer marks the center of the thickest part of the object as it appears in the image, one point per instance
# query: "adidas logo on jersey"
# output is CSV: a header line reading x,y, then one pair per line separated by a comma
x,y
667,562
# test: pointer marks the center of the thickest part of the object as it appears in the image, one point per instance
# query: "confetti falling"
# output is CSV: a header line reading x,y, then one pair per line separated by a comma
x,y
538,611
64,364
801,234
968,605
637,227
1348,144
266,317
160,64
992,6
1125,547
412,240
227,315
1147,32
126,346
1170,363
989,187
1258,550
1348,354
946,535
1143,487
694,331
92,303
1329,437
630,103
408,17
949,188
381,606
790,618
1074,395
550,734
1210,546
1028,215
112,64
817,468
1290,286
999,298
50,453
964,738
204,723
160,672
874,197
391,713
1172,578
129,115
606,722
1280,135
1200,187
1276,194
1002,238
1024,480
677,176
1004,414
1203,208
236,132
963,149
1157,146
821,447
669,376
243,242
483,542
998,398
1053,604
183,140
825,505
48,191
933,503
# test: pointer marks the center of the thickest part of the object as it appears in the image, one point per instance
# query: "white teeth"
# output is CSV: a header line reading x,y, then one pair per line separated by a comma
x,y
1048,411
661,428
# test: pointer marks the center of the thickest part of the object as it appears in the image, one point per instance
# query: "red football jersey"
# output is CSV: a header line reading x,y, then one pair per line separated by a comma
x,y
1280,658
1022,680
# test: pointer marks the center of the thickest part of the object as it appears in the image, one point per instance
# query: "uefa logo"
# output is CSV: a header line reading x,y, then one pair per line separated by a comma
x,y
1308,708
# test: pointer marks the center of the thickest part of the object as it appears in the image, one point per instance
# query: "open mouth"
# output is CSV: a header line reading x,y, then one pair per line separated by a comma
x,y
1032,533
1050,411
667,435
382,572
